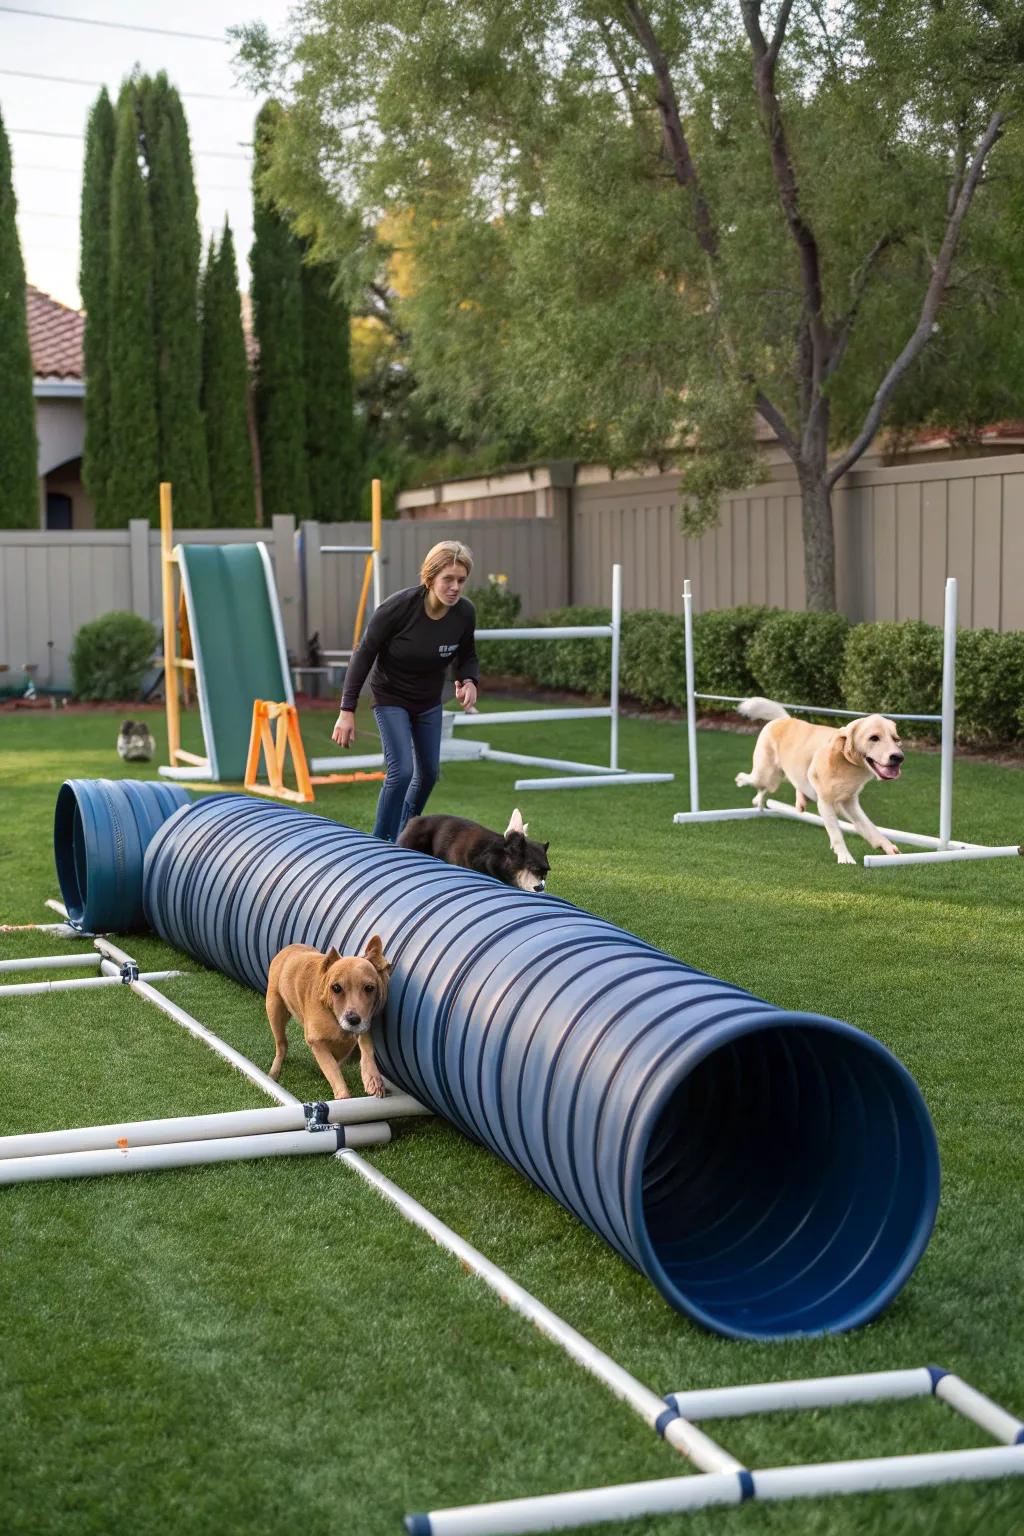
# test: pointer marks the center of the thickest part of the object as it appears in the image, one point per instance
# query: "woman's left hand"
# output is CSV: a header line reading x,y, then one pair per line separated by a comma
x,y
466,694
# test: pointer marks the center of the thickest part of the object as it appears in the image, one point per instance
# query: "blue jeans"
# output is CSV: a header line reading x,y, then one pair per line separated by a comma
x,y
412,753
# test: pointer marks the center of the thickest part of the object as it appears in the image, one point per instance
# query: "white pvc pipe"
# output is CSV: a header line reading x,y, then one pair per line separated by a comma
x,y
812,1392
684,1437
613,699
590,1506
939,856
186,1154
31,988
742,813
980,1409
596,781
542,762
691,706
56,906
877,1473
378,588
340,764
948,714
816,709
346,549
528,716
562,1511
51,962
917,839
193,774
566,632
239,1122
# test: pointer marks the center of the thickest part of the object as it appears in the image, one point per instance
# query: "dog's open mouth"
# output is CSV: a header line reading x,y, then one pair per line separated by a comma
x,y
883,770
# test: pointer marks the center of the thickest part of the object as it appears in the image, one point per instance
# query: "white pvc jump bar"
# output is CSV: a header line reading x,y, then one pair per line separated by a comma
x,y
680,1495
108,979
186,1154
566,632
526,716
951,855
917,839
232,1123
51,962
815,709
681,1435
595,780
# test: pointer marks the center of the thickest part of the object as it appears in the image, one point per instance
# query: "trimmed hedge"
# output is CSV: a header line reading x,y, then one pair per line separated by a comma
x,y
895,668
721,652
111,655
801,658
798,658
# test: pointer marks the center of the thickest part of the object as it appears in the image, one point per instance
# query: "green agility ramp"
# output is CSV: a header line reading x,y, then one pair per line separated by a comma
x,y
238,647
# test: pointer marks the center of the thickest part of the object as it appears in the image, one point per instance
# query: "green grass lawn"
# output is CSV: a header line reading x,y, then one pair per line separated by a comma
x,y
269,1347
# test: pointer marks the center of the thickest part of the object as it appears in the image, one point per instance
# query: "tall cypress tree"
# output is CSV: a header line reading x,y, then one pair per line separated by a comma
x,y
94,281
132,489
19,485
276,262
225,381
332,437
176,250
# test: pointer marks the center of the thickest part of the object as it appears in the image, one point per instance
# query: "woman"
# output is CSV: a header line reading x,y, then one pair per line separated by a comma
x,y
410,643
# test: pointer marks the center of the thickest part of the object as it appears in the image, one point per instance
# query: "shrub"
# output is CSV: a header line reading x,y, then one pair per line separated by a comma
x,y
497,607
111,655
721,640
652,664
989,685
580,666
798,657
895,668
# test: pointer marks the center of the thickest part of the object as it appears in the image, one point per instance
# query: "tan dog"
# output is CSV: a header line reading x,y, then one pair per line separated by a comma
x,y
824,764
334,999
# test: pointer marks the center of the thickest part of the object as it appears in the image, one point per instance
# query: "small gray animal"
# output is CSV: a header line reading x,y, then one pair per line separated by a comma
x,y
135,742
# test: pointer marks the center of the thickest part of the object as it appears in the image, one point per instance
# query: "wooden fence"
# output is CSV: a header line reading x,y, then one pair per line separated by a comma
x,y
899,532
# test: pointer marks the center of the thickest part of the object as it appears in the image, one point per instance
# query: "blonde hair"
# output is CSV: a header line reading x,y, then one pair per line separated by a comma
x,y
448,552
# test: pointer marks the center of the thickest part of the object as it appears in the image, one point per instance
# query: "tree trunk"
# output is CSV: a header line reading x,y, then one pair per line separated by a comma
x,y
819,541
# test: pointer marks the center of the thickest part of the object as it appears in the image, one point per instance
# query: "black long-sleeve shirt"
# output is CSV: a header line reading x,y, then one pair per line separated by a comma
x,y
410,652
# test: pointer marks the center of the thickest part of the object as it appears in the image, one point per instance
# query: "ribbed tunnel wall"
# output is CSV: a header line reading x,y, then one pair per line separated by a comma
x,y
772,1173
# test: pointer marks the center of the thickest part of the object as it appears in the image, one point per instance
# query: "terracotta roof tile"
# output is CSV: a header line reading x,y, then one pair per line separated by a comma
x,y
55,337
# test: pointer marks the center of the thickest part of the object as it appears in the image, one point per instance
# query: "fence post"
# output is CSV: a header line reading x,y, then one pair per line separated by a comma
x,y
138,566
287,577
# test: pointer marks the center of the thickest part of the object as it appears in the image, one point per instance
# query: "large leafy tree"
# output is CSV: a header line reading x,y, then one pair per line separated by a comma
x,y
164,144
225,384
276,263
131,488
637,225
19,487
94,282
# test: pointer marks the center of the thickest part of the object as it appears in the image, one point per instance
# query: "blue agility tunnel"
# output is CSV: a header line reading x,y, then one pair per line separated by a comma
x,y
772,1173
101,830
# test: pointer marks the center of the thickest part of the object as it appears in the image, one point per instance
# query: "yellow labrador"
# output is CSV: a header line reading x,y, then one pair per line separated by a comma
x,y
824,764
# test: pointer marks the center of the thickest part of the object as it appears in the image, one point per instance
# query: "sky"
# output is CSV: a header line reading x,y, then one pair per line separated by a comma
x,y
45,119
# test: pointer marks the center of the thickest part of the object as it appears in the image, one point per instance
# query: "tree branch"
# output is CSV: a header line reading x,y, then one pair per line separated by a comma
x,y
775,419
765,59
934,295
862,278
676,146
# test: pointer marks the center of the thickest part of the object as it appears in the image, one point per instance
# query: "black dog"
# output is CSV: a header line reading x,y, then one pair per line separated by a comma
x,y
513,859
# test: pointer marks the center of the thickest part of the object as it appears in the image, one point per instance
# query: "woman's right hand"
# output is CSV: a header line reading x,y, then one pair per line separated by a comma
x,y
344,732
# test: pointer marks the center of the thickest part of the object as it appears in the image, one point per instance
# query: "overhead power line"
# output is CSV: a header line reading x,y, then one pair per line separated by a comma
x,y
119,26
75,170
52,133
28,74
